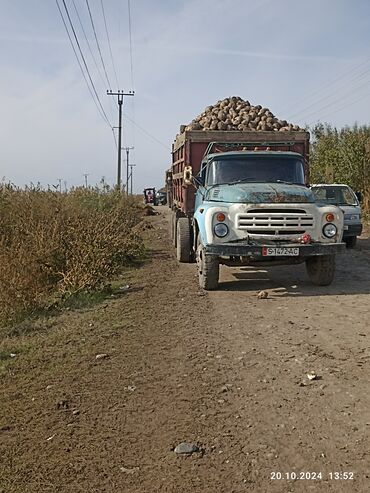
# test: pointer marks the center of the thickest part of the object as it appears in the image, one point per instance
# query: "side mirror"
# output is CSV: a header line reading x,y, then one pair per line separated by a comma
x,y
188,175
359,196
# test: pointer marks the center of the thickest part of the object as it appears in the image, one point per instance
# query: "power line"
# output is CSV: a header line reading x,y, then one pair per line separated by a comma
x,y
86,67
110,48
335,101
115,138
98,106
131,66
130,38
91,51
343,107
97,44
147,133
325,98
88,43
327,85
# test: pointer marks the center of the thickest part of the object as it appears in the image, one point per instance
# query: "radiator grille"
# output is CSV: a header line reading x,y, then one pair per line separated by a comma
x,y
275,221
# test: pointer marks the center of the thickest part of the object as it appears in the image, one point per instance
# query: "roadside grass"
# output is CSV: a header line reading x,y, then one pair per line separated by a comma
x,y
59,250
25,337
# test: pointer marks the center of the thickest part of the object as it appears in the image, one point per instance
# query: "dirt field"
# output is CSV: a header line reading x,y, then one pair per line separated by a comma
x,y
223,370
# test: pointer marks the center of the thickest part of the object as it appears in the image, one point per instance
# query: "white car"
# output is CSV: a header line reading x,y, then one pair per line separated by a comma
x,y
344,197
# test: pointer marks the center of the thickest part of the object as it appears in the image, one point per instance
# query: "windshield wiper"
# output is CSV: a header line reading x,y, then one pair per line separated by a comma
x,y
287,182
243,180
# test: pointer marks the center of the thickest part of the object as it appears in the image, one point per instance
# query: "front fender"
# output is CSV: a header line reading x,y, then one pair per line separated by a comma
x,y
204,217
199,218
322,211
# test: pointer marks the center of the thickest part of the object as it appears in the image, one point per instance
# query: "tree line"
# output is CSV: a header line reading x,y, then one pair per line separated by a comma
x,y
342,156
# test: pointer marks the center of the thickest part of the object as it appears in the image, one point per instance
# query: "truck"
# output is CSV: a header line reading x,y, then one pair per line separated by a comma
x,y
242,198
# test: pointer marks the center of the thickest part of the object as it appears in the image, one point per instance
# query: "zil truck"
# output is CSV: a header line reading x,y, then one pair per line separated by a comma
x,y
243,198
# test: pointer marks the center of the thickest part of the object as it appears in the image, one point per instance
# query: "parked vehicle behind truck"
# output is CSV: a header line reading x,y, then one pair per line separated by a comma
x,y
150,196
241,198
344,197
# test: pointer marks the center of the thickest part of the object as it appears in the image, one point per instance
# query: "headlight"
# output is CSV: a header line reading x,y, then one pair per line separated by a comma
x,y
352,217
221,230
329,230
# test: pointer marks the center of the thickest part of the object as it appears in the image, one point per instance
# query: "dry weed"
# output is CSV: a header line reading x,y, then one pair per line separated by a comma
x,y
54,244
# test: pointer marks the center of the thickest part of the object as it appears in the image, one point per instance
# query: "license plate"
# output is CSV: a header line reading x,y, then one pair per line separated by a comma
x,y
280,252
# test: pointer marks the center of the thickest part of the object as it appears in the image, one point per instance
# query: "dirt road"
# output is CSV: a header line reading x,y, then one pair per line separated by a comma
x,y
223,370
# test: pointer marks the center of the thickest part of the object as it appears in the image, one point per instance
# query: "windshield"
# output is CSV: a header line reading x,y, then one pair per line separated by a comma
x,y
335,195
253,169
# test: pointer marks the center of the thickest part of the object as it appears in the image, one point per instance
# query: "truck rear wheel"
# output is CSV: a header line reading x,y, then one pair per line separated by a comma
x,y
183,240
321,269
208,269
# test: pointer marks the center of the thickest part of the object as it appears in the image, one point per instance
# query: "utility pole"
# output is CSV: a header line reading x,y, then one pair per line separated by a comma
x,y
86,176
60,184
65,186
119,95
127,149
131,177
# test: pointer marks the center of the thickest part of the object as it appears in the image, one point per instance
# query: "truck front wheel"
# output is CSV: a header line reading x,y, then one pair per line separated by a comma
x,y
208,269
183,240
321,269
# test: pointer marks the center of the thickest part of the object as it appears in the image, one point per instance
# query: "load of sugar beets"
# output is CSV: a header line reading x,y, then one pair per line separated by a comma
x,y
236,114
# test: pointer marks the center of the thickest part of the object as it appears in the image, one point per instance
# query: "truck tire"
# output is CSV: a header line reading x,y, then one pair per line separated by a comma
x,y
183,240
321,269
350,241
208,269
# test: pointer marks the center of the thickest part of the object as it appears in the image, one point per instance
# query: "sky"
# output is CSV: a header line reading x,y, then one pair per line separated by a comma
x,y
306,61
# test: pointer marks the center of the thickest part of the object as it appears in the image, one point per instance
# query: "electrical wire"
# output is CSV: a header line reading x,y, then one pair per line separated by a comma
x,y
130,39
88,43
131,68
111,104
342,107
115,138
338,100
85,64
147,133
109,45
328,85
97,44
358,77
92,92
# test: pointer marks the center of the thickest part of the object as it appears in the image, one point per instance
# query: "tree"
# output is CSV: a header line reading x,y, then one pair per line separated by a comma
x,y
342,156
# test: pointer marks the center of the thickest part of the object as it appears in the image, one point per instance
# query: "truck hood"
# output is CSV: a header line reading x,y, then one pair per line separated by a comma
x,y
258,193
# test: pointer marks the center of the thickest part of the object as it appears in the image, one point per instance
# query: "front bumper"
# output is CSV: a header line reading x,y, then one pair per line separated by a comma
x,y
255,251
352,230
